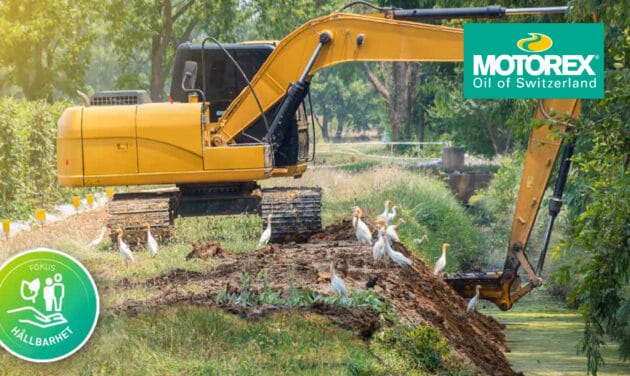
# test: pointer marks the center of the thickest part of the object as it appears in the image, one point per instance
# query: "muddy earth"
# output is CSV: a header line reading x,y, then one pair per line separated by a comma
x,y
417,296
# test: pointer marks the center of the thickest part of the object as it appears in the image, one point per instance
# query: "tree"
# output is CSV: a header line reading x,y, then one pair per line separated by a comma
x,y
397,88
163,25
342,96
602,183
275,19
44,47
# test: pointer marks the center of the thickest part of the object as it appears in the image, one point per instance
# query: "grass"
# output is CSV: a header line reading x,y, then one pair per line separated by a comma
x,y
422,200
543,335
195,341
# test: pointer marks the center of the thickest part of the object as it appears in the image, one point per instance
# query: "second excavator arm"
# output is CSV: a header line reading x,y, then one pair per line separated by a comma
x,y
343,37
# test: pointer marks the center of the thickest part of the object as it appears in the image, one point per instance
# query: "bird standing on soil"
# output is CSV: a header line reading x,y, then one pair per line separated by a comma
x,y
354,217
152,244
124,249
441,262
94,243
421,240
474,302
392,231
266,235
396,256
391,216
336,283
383,215
378,251
364,235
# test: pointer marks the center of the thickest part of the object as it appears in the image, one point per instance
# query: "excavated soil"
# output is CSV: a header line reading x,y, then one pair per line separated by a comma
x,y
206,251
416,294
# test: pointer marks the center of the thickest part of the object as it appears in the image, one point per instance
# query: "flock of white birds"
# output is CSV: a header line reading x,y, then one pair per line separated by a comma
x,y
123,248
381,249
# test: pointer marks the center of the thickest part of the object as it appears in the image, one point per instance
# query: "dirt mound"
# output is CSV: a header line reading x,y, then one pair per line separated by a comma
x,y
206,251
338,231
415,293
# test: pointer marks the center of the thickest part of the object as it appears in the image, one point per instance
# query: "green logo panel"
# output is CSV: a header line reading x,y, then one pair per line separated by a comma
x,y
49,305
533,60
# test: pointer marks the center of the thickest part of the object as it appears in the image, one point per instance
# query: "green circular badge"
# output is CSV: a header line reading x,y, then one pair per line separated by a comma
x,y
49,305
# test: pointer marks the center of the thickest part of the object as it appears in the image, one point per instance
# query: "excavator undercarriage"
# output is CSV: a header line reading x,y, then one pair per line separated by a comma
x,y
296,212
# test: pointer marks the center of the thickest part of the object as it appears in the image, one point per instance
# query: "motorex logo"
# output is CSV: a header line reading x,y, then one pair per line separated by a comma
x,y
533,61
535,43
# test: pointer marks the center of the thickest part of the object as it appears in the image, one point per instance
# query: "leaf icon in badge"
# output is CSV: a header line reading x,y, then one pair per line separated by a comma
x,y
33,287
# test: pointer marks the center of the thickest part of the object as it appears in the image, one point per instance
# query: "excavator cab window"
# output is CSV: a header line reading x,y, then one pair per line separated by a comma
x,y
223,82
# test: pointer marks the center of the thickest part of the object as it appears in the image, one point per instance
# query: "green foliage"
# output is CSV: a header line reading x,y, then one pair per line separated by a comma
x,y
404,349
342,97
44,46
27,157
602,185
247,295
146,34
274,19
428,207
485,127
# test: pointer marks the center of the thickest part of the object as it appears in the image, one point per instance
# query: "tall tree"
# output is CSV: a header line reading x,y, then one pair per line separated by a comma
x,y
274,19
163,25
44,45
397,88
602,184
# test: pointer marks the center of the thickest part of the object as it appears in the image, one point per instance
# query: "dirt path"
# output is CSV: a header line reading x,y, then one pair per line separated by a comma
x,y
417,295
82,228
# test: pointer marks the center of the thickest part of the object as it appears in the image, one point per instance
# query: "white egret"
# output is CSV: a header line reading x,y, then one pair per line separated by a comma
x,y
383,215
392,230
421,240
472,304
364,235
390,217
441,262
378,251
124,249
94,243
354,217
336,283
152,244
266,235
396,256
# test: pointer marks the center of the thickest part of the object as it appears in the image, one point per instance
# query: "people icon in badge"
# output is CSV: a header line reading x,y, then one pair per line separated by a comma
x,y
54,293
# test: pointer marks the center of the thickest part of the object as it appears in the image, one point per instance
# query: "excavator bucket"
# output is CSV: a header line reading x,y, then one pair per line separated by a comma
x,y
494,286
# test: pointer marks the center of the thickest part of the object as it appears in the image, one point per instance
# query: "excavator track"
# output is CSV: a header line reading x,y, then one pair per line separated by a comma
x,y
130,211
296,212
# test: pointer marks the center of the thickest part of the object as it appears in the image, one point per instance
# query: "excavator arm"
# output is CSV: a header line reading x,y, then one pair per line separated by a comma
x,y
343,37
503,287
350,38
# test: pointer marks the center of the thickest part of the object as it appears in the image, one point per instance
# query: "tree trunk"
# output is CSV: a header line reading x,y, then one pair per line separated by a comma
x,y
324,125
157,78
340,122
410,101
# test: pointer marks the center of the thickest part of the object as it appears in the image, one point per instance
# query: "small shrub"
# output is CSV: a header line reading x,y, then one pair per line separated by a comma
x,y
404,349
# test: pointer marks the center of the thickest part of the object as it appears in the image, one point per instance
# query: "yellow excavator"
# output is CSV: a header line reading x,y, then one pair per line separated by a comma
x,y
245,120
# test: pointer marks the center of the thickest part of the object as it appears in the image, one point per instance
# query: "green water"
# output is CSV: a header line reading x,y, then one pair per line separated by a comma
x,y
543,337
